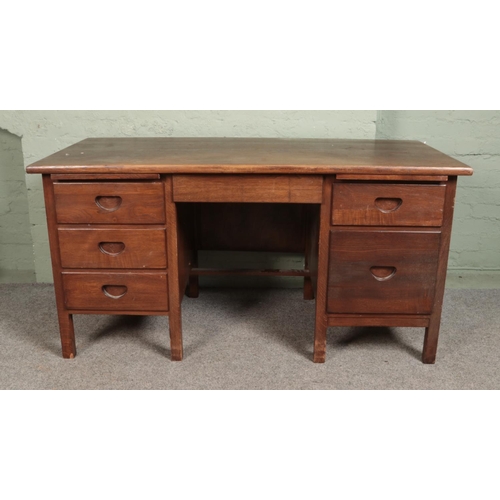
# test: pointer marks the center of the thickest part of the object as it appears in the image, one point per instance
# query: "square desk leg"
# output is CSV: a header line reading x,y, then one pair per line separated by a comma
x,y
321,287
432,331
66,328
175,261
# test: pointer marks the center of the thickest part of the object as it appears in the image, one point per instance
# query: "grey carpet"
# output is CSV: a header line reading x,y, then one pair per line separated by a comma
x,y
244,339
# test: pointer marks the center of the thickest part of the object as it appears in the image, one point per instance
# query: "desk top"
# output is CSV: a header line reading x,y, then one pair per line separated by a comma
x,y
248,156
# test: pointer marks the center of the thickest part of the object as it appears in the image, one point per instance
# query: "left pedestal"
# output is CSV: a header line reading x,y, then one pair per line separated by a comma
x,y
114,248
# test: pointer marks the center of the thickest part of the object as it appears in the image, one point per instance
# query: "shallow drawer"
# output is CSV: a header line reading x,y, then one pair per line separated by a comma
x,y
114,291
382,271
379,204
109,202
248,188
112,248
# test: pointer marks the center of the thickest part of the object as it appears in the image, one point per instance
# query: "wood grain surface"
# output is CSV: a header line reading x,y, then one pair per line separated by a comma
x,y
135,202
407,178
178,268
372,217
65,318
249,155
134,291
432,331
264,227
96,247
363,204
411,320
353,286
104,177
320,324
248,188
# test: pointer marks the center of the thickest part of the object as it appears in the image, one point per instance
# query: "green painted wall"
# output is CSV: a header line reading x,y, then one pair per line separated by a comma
x,y
471,136
45,132
16,244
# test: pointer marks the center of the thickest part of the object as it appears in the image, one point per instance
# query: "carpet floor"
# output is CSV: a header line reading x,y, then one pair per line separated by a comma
x,y
244,339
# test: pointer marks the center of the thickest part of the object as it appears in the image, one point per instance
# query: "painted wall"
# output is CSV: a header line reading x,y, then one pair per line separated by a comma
x,y
472,137
16,244
45,132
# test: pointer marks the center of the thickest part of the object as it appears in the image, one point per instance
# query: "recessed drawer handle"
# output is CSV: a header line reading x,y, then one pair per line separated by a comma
x,y
387,205
114,291
382,273
112,248
108,203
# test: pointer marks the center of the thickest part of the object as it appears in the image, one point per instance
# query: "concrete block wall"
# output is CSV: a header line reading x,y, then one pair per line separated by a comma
x,y
472,137
16,244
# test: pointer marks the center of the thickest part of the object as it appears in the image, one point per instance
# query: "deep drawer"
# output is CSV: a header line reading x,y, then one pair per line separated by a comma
x,y
379,204
114,291
96,247
109,202
382,271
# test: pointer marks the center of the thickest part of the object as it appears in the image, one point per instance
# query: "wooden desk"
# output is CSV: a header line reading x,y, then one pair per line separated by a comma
x,y
126,218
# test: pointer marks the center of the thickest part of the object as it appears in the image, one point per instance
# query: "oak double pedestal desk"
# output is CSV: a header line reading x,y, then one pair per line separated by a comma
x,y
126,219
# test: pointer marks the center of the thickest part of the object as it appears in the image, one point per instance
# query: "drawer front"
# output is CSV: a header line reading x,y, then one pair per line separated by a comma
x,y
114,291
112,248
248,188
379,204
382,271
109,202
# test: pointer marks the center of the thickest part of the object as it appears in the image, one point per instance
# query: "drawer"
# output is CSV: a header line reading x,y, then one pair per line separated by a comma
x,y
109,202
386,271
385,204
248,188
114,291
112,248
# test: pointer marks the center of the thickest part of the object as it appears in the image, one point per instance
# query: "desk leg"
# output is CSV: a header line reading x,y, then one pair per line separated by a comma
x,y
432,331
430,342
67,333
175,328
322,282
178,272
193,288
320,340
66,329
311,248
308,289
